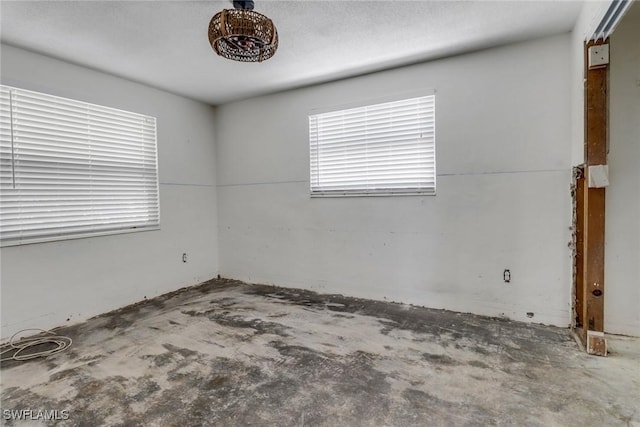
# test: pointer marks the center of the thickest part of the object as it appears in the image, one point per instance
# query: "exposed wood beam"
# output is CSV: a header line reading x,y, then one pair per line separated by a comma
x,y
593,206
579,194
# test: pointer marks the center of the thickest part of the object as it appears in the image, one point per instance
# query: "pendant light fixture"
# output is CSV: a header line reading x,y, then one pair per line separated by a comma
x,y
243,35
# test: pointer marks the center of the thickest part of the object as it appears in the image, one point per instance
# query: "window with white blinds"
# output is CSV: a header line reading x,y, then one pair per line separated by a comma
x,y
72,169
380,149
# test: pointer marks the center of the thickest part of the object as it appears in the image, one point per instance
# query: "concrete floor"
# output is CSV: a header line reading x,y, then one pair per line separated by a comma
x,y
228,353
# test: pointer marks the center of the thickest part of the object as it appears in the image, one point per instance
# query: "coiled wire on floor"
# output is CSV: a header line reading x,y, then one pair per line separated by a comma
x,y
33,347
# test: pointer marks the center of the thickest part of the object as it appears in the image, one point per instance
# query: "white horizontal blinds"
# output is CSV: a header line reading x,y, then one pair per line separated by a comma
x,y
382,148
6,156
79,169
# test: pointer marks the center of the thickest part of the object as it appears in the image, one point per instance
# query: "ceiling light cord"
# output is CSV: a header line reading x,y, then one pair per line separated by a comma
x,y
19,348
247,4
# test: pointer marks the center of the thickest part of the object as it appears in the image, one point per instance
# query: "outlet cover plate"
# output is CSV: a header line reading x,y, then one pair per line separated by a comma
x,y
598,56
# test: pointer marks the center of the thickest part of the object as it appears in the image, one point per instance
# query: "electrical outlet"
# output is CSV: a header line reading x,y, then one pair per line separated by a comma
x,y
598,56
506,275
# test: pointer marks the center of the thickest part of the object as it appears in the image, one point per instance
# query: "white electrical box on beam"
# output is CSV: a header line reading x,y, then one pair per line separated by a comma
x,y
598,56
598,176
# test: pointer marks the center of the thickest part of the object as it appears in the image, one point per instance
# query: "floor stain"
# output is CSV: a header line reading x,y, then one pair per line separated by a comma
x,y
236,354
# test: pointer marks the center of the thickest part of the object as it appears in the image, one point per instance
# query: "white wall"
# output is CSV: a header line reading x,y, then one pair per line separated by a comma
x,y
45,284
622,227
503,119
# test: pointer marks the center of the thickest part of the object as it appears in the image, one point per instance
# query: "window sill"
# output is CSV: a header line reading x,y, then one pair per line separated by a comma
x,y
37,240
389,194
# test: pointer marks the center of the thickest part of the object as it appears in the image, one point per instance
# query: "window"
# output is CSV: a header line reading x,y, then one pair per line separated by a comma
x,y
72,169
386,148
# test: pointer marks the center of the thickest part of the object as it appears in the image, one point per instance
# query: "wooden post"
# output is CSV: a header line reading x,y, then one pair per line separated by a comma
x,y
593,195
579,249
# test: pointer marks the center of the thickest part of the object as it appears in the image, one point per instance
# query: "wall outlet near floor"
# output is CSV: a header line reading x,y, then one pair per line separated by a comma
x,y
506,275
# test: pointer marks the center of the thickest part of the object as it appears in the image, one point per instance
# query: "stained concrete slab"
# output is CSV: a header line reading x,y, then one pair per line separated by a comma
x,y
228,353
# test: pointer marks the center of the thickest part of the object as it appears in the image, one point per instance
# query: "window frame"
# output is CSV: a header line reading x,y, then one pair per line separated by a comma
x,y
126,156
380,192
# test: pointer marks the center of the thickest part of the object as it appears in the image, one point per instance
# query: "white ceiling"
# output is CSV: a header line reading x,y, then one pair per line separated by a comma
x,y
165,44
